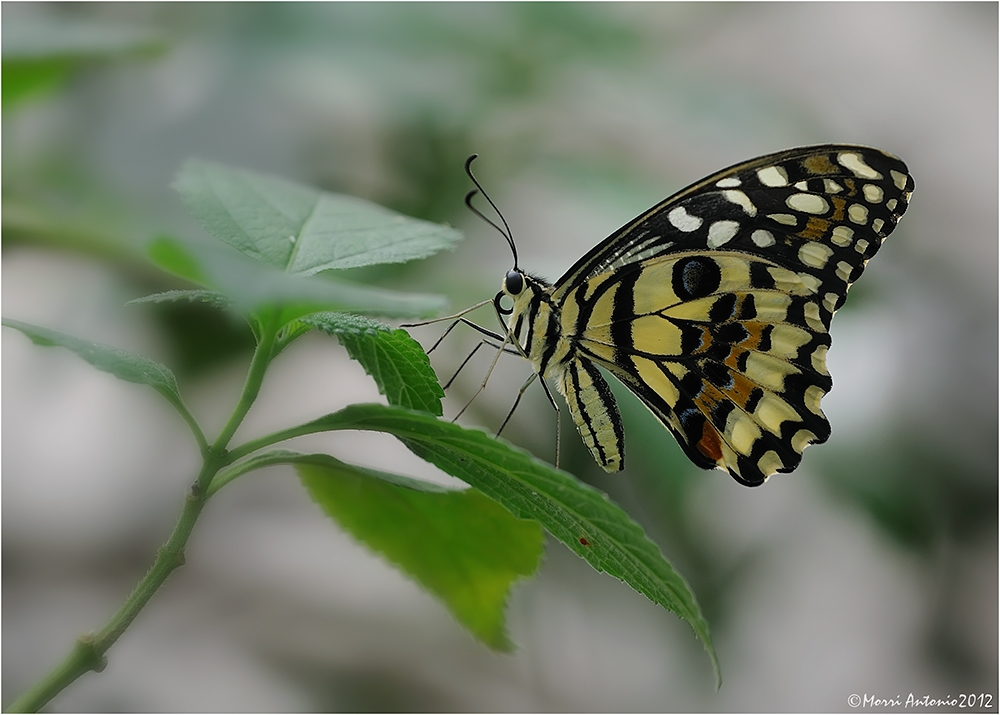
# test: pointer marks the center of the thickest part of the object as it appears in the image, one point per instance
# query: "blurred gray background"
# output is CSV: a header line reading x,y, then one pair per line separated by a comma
x,y
872,569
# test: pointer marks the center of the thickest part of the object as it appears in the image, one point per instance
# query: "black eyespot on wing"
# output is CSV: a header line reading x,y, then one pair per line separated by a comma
x,y
696,277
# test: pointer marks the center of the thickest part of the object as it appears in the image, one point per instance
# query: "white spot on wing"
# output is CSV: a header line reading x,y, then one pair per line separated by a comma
x,y
762,238
858,214
819,361
813,395
811,282
786,219
815,255
808,203
842,235
741,200
683,221
811,313
728,183
853,161
873,194
802,439
721,232
773,176
898,179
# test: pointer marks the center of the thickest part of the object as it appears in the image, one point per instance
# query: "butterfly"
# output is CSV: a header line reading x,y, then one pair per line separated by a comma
x,y
713,307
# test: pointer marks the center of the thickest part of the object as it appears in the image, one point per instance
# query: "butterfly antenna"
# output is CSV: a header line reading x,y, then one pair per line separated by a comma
x,y
468,202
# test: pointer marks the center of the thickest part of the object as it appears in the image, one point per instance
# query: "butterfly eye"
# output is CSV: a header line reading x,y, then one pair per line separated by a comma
x,y
513,282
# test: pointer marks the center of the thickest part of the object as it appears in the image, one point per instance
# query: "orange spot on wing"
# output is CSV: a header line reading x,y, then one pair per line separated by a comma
x,y
815,228
710,444
755,331
741,389
839,206
819,165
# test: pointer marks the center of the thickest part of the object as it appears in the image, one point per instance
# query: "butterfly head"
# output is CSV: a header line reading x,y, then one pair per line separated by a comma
x,y
519,287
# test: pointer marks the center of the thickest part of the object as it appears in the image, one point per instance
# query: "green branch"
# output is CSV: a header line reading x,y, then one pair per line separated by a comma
x,y
267,440
255,377
88,652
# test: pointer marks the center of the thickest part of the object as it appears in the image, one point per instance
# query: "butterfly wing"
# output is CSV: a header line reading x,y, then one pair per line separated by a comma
x,y
835,195
714,306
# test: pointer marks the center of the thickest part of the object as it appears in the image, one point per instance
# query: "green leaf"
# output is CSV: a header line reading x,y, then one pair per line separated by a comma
x,y
578,515
396,361
123,365
178,257
300,229
254,287
459,545
209,297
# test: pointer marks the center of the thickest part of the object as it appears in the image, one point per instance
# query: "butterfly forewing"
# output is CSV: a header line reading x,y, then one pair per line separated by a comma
x,y
714,306
798,196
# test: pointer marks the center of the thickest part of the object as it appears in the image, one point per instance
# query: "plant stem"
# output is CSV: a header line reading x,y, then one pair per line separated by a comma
x,y
273,438
81,659
255,376
88,652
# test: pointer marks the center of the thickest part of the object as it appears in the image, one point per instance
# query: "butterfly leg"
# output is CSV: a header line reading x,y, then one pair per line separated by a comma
x,y
509,351
486,379
447,317
555,406
464,363
517,401
479,328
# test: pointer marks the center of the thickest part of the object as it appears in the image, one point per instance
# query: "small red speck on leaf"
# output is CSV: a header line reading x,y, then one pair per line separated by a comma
x,y
584,541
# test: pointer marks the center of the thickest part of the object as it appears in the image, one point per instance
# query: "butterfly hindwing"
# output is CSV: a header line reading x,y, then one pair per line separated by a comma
x,y
734,370
714,306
